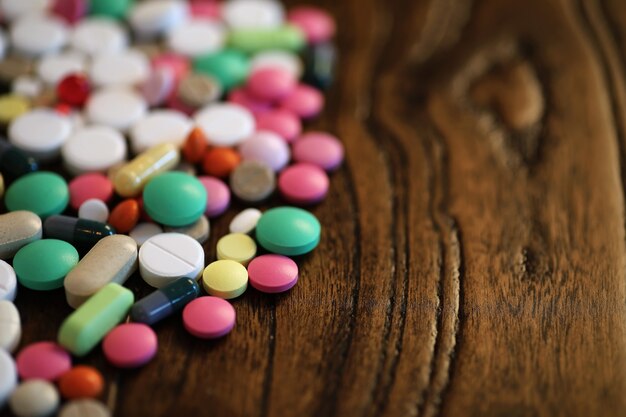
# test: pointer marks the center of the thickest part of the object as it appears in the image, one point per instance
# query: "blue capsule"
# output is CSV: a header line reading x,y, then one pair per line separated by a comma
x,y
164,301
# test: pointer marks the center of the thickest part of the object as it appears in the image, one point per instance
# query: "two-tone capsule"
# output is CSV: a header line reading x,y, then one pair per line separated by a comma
x,y
81,233
164,301
14,163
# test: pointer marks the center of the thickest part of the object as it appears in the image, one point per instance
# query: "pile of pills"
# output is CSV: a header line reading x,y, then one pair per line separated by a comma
x,y
162,113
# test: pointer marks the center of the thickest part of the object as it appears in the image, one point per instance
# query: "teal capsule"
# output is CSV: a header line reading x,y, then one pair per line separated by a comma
x,y
256,40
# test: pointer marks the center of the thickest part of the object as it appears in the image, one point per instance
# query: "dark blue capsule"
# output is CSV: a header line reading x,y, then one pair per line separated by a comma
x,y
164,301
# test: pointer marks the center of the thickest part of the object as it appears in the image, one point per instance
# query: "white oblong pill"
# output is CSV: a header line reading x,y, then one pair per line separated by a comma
x,y
93,149
10,326
117,107
8,376
17,229
197,37
245,221
94,209
8,282
144,231
151,18
40,133
169,256
260,14
52,68
34,398
284,60
99,35
38,34
225,124
160,126
123,68
12,9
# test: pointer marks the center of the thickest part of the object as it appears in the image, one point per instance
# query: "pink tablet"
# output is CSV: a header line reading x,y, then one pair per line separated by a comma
x,y
218,195
209,317
271,83
317,25
303,184
304,101
319,148
130,345
272,273
282,122
43,360
88,186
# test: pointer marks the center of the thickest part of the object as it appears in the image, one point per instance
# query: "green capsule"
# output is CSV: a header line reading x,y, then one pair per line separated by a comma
x,y
256,40
228,66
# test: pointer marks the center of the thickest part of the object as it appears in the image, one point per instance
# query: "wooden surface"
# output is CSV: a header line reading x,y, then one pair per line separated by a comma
x,y
473,252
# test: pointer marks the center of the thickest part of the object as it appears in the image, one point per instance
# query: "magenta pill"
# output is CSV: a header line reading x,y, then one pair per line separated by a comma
x,y
178,64
130,345
272,273
43,360
271,83
317,25
243,98
303,184
282,122
266,147
70,10
88,186
304,101
209,317
218,195
205,9
319,148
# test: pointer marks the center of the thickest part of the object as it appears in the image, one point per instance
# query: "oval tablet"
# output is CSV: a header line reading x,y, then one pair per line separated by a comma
x,y
199,230
197,37
55,258
319,148
40,133
12,9
277,59
157,17
225,279
253,181
238,247
169,256
209,317
225,124
53,68
8,376
159,126
266,147
93,149
273,273
112,259
38,34
18,229
81,382
303,184
10,326
94,209
97,35
43,360
8,282
144,231
245,221
117,107
84,407
125,68
288,231
218,196
34,398
130,345
260,14
43,193
174,199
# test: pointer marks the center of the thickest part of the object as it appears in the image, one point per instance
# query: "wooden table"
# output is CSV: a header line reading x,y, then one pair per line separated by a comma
x,y
473,254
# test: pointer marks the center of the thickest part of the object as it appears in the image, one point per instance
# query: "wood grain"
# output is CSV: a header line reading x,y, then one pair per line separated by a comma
x,y
473,252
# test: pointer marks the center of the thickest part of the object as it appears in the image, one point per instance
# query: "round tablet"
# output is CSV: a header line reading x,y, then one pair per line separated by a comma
x,y
166,257
209,317
10,326
158,86
12,106
288,231
81,382
319,148
199,230
84,407
43,360
229,66
26,86
54,259
273,273
38,34
245,221
40,132
197,37
116,107
97,35
252,181
8,376
94,209
199,90
53,68
34,398
89,186
158,16
266,147
258,14
122,68
43,193
225,124
282,122
271,83
218,196
237,247
317,25
174,199
125,215
285,60
144,231
225,279
304,101
242,97
12,9
8,282
93,149
73,90
130,345
303,183
159,126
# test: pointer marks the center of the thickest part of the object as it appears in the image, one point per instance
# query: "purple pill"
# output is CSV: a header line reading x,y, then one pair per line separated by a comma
x,y
268,147
218,195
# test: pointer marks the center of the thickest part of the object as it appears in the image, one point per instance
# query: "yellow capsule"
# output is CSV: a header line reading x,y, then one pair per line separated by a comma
x,y
131,178
237,247
12,106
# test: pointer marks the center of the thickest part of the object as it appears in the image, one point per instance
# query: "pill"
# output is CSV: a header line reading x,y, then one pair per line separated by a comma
x,y
97,35
317,25
43,193
40,133
93,149
288,231
10,326
266,147
303,184
110,8
225,124
117,107
262,14
159,126
157,17
245,221
209,317
158,86
82,234
304,101
14,163
26,86
34,398
165,301
229,66
319,148
85,327
70,10
55,258
8,376
84,407
238,247
112,259
252,181
38,34
144,231
285,60
81,382
12,9
319,63
130,345
195,146
199,230
124,68
94,209
176,64
17,229
250,41
209,10
12,106
87,186
272,83
282,122
197,37
272,273
198,90
225,279
53,68
73,89
220,162
43,360
169,256
174,199
132,177
242,97
8,282
125,215
218,195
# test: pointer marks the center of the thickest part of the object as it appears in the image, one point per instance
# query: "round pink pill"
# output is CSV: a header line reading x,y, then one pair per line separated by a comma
x,y
205,9
271,83
209,317
303,184
130,345
243,98
304,101
218,195
266,147
43,360
70,10
282,122
178,64
272,273
317,25
88,186
319,148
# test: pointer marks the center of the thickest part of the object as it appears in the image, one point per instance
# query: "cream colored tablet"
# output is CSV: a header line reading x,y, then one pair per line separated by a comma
x,y
17,229
8,282
93,149
98,35
38,34
34,398
125,68
10,326
117,107
199,230
144,231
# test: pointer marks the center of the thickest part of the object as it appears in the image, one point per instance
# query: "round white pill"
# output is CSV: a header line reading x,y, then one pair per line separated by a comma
x,y
158,127
150,18
268,147
245,221
97,35
27,86
10,326
93,149
38,34
166,257
225,124
123,68
8,282
85,407
197,37
261,14
144,231
8,376
12,9
40,132
52,68
94,209
116,107
34,398
277,59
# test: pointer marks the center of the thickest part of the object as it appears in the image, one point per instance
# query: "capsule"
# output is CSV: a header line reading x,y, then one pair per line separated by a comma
x,y
14,163
81,233
251,41
130,179
164,301
319,65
